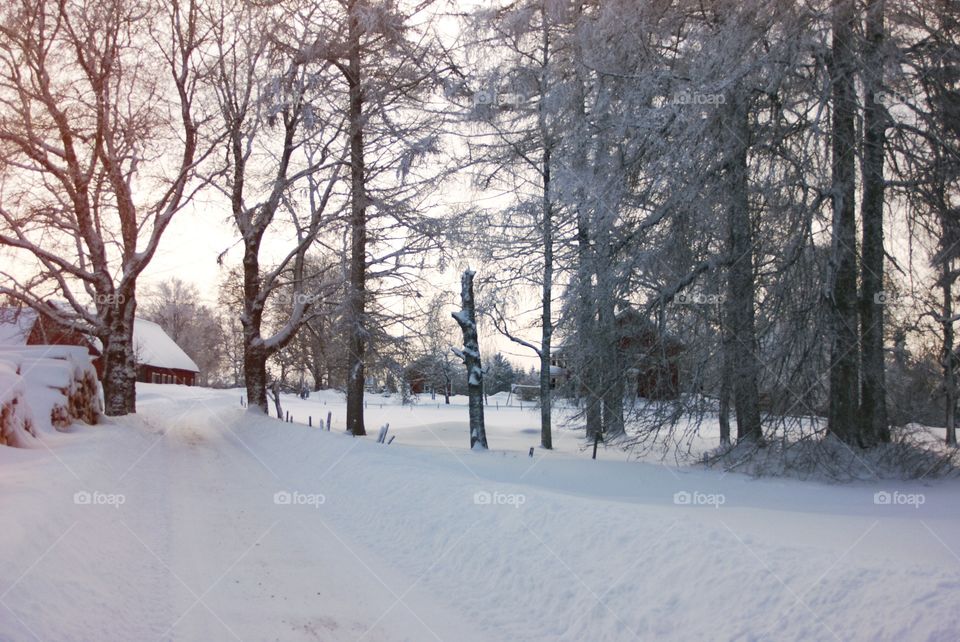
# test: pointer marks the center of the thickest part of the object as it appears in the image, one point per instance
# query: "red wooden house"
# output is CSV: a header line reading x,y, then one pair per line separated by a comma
x,y
44,331
159,359
651,357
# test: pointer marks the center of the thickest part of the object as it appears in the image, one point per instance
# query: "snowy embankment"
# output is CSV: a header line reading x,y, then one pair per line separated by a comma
x,y
198,521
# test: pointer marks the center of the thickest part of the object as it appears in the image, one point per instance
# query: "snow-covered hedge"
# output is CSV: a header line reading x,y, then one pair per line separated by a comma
x,y
46,386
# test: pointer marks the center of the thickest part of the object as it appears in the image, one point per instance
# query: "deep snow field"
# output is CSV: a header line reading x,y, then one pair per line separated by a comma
x,y
195,520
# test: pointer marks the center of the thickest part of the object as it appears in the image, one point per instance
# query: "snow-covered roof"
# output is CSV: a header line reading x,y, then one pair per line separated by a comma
x,y
153,347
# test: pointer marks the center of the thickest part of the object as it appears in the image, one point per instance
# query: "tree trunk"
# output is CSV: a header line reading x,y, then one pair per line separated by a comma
x,y
119,360
740,304
546,300
611,370
254,353
949,359
873,408
356,378
467,319
844,352
275,393
255,377
585,363
726,375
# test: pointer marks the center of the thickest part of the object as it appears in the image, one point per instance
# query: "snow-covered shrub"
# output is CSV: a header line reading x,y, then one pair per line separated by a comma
x,y
913,453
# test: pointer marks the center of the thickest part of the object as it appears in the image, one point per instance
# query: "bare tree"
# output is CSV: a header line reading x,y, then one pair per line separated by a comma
x,y
174,305
925,136
384,56
278,141
92,93
522,101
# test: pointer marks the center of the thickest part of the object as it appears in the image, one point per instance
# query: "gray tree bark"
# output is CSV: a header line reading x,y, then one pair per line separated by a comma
x,y
874,426
842,289
356,378
467,319
611,375
726,375
585,318
585,364
740,304
546,290
949,358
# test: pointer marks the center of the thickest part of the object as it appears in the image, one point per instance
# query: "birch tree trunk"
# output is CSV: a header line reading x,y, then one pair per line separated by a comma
x,y
467,319
119,363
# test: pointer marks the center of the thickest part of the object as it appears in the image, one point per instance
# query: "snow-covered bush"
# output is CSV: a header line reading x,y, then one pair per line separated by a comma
x,y
914,453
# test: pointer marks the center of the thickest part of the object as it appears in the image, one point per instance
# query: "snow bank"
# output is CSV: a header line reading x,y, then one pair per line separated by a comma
x,y
57,385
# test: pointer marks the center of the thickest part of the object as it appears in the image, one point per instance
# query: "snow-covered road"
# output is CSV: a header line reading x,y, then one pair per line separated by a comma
x,y
197,521
198,549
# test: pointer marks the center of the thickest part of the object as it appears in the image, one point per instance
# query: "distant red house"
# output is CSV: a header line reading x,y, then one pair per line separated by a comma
x,y
650,356
416,379
159,359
